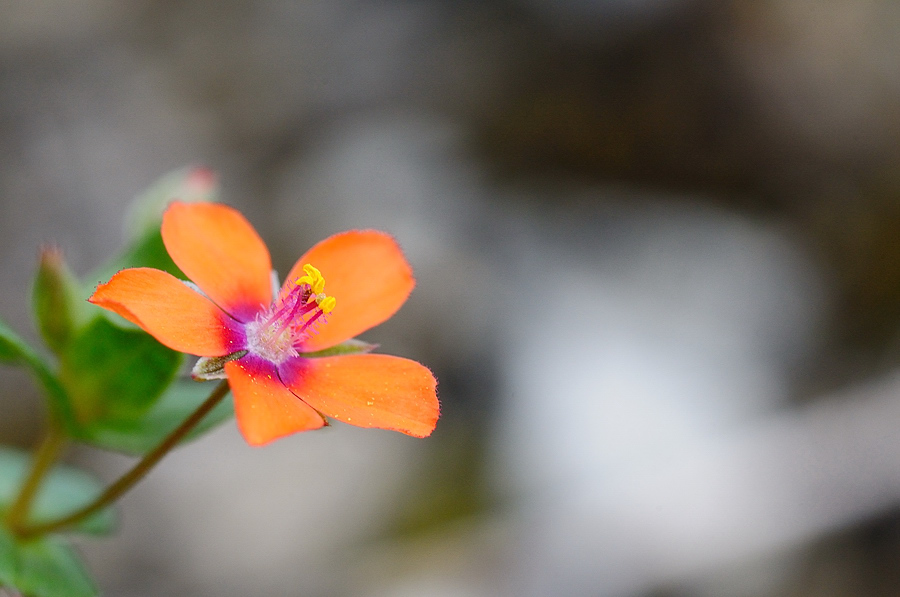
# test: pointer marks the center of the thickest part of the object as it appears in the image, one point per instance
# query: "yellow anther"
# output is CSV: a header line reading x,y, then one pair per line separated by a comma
x,y
314,278
316,282
326,304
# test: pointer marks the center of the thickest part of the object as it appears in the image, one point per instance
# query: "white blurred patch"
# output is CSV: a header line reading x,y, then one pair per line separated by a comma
x,y
642,339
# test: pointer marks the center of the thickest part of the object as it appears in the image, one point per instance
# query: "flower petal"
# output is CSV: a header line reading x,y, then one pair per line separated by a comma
x,y
220,251
168,310
368,390
265,409
366,272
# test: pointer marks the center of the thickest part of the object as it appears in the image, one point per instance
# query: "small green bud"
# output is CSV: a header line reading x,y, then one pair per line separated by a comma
x,y
209,368
53,299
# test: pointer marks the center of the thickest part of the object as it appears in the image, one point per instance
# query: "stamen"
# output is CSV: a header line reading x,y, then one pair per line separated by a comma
x,y
310,322
327,304
280,332
314,278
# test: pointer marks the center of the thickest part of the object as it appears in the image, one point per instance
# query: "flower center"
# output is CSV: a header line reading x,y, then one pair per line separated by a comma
x,y
279,332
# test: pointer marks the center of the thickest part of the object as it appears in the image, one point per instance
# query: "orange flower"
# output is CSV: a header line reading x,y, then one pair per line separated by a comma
x,y
259,342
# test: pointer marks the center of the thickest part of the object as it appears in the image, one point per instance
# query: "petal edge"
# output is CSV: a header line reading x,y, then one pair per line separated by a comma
x,y
369,390
164,307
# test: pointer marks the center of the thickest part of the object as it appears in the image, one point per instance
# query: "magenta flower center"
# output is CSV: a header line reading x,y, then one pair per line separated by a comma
x,y
279,332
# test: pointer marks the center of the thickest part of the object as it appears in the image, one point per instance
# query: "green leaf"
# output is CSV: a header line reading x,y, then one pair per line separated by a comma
x,y
46,567
185,184
115,374
145,247
7,558
14,350
352,346
139,436
145,251
64,490
55,300
49,567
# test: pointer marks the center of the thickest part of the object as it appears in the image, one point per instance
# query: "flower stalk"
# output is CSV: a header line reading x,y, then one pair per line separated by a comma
x,y
132,477
44,458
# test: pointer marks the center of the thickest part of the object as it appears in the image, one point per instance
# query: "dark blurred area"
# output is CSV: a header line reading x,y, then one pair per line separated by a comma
x,y
658,280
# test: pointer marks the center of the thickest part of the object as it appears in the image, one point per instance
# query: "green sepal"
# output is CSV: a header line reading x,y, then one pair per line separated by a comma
x,y
210,368
115,374
44,567
64,490
352,346
14,350
55,300
139,436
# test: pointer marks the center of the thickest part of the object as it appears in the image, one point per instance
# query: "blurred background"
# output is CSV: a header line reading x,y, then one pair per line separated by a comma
x,y
658,279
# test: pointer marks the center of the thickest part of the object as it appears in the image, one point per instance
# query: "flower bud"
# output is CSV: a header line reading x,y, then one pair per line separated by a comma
x,y
53,298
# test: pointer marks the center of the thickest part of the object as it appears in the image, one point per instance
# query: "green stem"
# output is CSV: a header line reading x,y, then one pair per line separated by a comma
x,y
138,472
44,457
